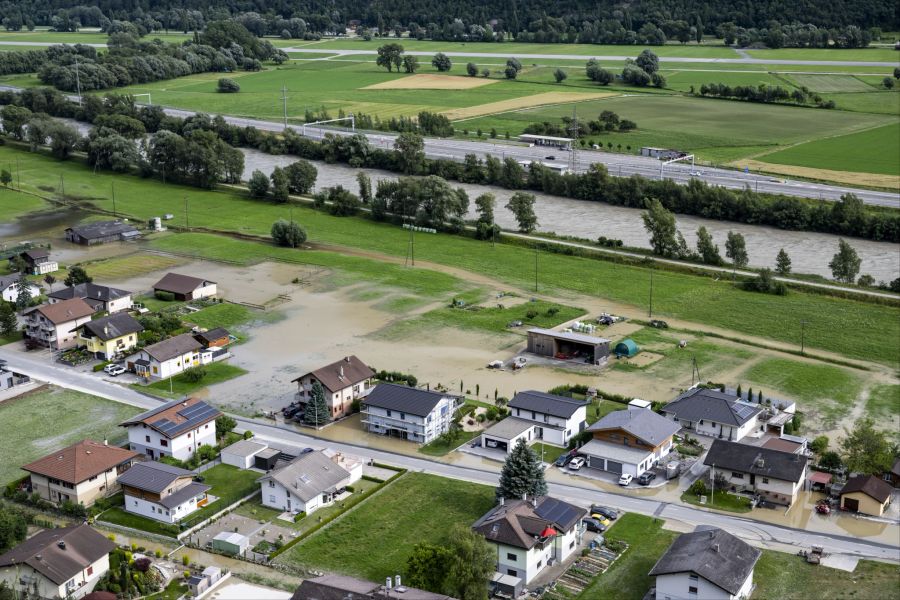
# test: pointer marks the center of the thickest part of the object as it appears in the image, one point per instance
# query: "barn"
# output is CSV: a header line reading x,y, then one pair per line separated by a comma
x,y
568,345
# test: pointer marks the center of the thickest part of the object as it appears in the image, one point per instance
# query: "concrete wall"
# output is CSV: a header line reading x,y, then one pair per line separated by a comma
x,y
677,587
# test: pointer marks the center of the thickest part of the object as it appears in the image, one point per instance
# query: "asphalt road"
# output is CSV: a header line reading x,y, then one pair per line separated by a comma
x,y
38,366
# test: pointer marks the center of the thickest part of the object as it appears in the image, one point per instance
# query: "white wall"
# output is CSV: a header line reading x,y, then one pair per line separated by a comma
x,y
11,293
119,304
676,587
420,430
206,291
158,512
181,447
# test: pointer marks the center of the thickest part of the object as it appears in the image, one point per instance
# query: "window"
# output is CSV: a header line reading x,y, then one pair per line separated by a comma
x,y
272,498
571,544
92,478
511,556
271,483
206,426
147,438
735,475
402,416
540,564
189,434
692,589
389,413
765,480
90,570
512,572
163,442
694,578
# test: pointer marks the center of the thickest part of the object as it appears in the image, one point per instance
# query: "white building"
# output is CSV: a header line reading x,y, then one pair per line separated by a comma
x,y
629,441
408,413
241,454
709,564
529,535
185,287
56,325
100,297
10,289
343,381
162,492
774,475
57,563
538,416
309,482
713,413
174,429
166,358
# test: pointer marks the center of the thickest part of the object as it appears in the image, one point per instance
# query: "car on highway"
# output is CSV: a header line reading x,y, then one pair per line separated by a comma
x,y
625,479
696,173
576,463
563,459
593,525
646,477
550,157
610,513
114,370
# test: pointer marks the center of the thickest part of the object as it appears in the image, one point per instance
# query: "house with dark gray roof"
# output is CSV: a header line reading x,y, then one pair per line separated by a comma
x,y
309,482
713,413
343,381
11,287
629,441
162,492
408,413
110,336
185,287
166,358
100,297
538,416
530,534
66,562
708,563
866,494
37,261
101,232
774,475
175,429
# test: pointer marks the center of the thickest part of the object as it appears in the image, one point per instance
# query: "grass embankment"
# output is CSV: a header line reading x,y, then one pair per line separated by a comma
x,y
721,501
180,386
38,423
378,536
675,295
14,204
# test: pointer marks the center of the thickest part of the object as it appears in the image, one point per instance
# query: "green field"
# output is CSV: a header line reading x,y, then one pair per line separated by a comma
x,y
180,386
885,55
780,576
884,403
38,423
831,83
378,536
80,37
14,204
721,501
872,151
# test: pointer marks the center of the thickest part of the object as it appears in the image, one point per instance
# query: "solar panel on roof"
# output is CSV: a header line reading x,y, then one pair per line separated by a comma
x,y
743,411
557,512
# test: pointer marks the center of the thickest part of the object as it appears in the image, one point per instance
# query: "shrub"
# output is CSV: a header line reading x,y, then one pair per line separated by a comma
x,y
228,86
698,488
164,296
142,565
491,413
299,516
195,374
531,314
185,560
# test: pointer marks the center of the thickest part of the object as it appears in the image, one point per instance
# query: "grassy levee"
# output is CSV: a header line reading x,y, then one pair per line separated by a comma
x,y
702,300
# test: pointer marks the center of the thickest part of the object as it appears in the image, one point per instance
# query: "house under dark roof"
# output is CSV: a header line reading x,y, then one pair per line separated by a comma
x,y
172,347
869,485
713,554
341,374
153,476
211,335
642,423
401,398
60,554
756,460
179,284
550,404
91,293
701,404
523,523
176,417
101,231
113,326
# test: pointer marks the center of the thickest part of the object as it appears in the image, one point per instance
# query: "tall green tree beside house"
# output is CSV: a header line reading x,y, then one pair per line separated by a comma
x,y
316,409
23,293
471,565
426,567
522,474
8,322
867,450
77,275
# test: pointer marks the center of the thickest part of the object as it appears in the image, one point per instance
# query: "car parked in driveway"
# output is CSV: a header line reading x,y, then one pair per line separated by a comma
x,y
563,459
593,525
610,513
646,477
576,463
625,479
600,519
114,370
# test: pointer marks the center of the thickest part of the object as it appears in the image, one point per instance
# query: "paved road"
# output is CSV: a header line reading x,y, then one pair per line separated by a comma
x,y
770,535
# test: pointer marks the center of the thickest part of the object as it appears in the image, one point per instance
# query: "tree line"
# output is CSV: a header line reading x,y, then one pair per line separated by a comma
x,y
768,94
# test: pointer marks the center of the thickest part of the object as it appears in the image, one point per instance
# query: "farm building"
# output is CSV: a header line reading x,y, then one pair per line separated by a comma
x,y
626,348
185,287
101,232
866,494
566,345
231,542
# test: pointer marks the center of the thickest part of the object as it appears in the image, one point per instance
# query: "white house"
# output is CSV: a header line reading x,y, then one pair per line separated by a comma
x,y
37,261
10,289
708,563
174,429
307,483
166,358
57,563
713,413
343,381
774,475
56,325
185,287
529,535
100,297
408,413
538,416
162,492
629,441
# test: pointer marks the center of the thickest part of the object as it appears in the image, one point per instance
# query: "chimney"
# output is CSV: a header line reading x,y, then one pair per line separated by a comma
x,y
106,330
396,581
341,376
502,501
715,548
387,582
525,496
347,359
534,502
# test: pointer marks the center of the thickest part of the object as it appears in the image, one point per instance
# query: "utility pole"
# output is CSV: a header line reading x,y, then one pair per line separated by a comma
x,y
695,370
573,131
284,102
293,244
62,185
18,175
77,80
712,480
114,199
535,269
803,324
650,313
187,223
411,245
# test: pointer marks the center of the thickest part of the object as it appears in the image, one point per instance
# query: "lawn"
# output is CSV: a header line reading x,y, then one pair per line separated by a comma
x,y
439,447
180,386
126,267
229,484
627,578
378,536
175,590
780,576
40,422
119,516
547,452
224,314
13,204
884,403
845,54
721,501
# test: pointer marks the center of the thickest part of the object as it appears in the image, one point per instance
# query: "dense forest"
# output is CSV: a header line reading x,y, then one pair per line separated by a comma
x,y
772,23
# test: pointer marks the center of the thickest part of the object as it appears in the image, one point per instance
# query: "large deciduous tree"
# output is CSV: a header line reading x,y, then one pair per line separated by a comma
x,y
736,249
390,56
409,148
845,263
441,62
522,207
471,565
867,450
288,233
660,224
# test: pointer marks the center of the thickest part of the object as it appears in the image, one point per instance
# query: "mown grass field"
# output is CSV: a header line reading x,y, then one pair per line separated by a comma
x,y
781,576
80,37
378,536
180,386
14,204
125,267
38,423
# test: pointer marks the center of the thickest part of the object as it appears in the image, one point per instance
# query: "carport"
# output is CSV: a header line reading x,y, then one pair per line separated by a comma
x,y
567,345
505,434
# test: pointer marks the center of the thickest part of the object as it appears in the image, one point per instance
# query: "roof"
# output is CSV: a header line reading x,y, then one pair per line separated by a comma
x,y
341,374
184,494
643,424
820,477
179,284
309,475
7,281
80,461
65,311
558,406
212,335
173,347
175,417
60,554
113,326
343,587
711,405
245,448
756,460
532,136
414,401
520,523
870,486
780,444
153,476
100,595
36,254
101,229
713,554
509,428
571,336
616,452
232,537
90,291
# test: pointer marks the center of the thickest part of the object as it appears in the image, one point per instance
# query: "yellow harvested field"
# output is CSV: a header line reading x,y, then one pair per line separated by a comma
x,y
848,177
131,265
524,102
427,81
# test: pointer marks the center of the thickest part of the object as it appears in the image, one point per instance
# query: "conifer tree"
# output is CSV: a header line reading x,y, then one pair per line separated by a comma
x,y
522,474
316,409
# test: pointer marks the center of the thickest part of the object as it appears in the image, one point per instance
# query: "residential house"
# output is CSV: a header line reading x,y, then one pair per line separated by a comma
x,y
10,288
213,338
185,287
344,381
309,482
174,429
111,336
557,418
80,473
708,563
343,587
37,261
629,441
162,492
530,535
166,358
774,475
10,379
101,232
713,413
408,413
56,325
866,494
100,297
57,563
892,476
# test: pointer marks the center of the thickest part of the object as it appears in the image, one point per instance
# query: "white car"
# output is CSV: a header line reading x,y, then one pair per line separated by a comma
x,y
576,463
625,479
114,370
696,173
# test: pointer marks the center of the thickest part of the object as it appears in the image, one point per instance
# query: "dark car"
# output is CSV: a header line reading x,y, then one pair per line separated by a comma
x,y
306,451
593,525
646,477
550,157
609,513
563,459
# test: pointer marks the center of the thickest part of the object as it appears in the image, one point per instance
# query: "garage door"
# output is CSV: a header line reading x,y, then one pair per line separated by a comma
x,y
614,467
495,444
851,504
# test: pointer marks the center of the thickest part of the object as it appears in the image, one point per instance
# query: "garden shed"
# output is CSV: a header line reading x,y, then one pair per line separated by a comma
x,y
626,348
231,543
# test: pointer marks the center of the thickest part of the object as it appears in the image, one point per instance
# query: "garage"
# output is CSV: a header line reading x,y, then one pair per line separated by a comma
x,y
614,467
851,504
505,434
565,345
